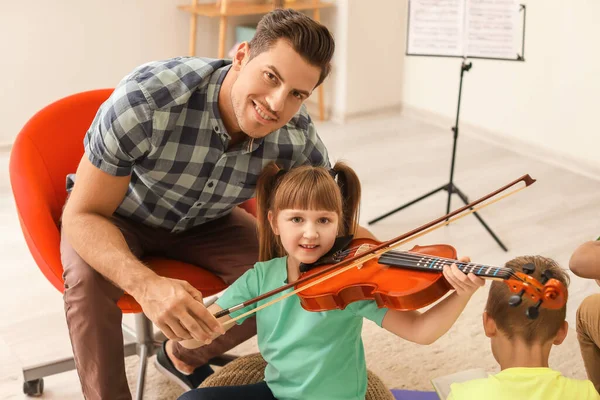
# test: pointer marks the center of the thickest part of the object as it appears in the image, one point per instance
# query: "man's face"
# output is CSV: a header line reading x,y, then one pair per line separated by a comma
x,y
270,88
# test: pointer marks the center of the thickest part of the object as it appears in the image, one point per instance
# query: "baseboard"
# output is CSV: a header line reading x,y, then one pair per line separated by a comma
x,y
516,145
380,112
341,117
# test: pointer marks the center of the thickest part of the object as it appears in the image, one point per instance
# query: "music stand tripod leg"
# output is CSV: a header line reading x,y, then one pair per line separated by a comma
x,y
450,187
410,203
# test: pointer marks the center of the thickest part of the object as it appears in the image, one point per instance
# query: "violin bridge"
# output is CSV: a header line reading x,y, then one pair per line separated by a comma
x,y
362,249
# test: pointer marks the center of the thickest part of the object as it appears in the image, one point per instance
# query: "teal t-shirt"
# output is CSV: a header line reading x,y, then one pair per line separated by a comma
x,y
310,355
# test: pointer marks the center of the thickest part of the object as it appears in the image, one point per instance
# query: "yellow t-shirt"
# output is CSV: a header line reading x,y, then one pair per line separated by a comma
x,y
526,384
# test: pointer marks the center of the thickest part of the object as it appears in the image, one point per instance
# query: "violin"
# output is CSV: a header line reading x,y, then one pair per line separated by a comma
x,y
409,280
363,269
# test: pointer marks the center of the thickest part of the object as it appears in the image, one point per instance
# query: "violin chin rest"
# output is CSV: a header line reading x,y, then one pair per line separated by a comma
x,y
341,242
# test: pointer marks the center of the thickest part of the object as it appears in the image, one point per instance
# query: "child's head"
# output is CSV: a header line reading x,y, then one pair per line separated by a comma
x,y
303,210
505,324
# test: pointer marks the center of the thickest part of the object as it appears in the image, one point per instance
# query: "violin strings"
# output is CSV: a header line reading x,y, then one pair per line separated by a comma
x,y
414,257
460,264
410,256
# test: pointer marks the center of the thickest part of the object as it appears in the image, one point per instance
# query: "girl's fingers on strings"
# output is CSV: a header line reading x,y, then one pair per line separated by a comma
x,y
476,280
452,278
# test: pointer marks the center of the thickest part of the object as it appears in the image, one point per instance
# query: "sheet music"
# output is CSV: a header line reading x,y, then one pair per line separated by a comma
x,y
465,28
492,28
436,27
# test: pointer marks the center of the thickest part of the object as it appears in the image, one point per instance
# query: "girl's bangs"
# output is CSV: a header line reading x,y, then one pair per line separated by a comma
x,y
308,192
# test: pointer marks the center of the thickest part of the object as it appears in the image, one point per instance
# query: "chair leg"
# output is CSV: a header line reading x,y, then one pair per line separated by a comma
x,y
33,376
144,345
144,334
143,353
39,371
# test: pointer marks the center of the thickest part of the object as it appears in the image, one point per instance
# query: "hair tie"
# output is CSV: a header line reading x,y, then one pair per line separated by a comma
x,y
279,174
333,173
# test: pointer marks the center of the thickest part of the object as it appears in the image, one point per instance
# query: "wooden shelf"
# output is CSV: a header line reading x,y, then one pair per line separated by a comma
x,y
245,8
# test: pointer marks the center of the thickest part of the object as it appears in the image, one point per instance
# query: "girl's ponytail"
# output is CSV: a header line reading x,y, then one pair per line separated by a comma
x,y
265,187
349,185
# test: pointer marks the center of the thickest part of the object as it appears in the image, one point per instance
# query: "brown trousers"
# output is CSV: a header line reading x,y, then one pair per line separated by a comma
x,y
227,247
588,334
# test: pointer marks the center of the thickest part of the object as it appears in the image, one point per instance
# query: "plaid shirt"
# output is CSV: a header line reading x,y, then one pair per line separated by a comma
x,y
162,126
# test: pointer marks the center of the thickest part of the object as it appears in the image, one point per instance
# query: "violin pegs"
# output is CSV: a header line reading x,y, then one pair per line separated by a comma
x,y
529,268
533,311
546,276
516,299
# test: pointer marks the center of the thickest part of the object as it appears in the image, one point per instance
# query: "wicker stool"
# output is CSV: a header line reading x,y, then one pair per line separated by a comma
x,y
250,369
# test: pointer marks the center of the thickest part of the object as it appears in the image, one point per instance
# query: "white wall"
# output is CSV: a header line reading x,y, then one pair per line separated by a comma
x,y
50,49
367,65
335,86
549,102
376,32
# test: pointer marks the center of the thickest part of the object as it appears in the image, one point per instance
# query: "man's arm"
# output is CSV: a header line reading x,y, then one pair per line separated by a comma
x,y
585,260
175,306
86,220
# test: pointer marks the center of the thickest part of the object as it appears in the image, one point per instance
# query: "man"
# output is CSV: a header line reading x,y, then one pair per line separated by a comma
x,y
168,157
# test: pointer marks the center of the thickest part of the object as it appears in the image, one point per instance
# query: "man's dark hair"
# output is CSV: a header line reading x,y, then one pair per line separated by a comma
x,y
310,39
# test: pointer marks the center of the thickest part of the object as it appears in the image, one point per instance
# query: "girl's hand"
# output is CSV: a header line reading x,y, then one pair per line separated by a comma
x,y
465,285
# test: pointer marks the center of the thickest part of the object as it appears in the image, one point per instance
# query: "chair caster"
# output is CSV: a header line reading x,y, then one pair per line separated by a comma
x,y
34,387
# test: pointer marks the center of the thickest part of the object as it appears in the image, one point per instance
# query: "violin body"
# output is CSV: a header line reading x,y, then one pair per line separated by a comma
x,y
391,287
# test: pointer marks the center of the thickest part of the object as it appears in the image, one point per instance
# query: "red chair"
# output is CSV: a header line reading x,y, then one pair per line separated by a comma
x,y
49,147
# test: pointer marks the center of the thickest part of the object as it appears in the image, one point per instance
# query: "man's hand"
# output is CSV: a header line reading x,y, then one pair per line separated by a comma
x,y
465,285
177,309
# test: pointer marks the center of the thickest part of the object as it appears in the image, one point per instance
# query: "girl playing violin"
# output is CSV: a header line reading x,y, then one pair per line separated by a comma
x,y
316,355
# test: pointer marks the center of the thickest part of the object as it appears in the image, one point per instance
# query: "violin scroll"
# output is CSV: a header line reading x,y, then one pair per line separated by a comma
x,y
551,294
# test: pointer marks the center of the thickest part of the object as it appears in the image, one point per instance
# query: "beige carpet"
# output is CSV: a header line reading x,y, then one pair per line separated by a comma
x,y
157,386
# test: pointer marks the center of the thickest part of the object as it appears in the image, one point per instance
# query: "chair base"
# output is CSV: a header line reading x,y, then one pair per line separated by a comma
x,y
141,341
